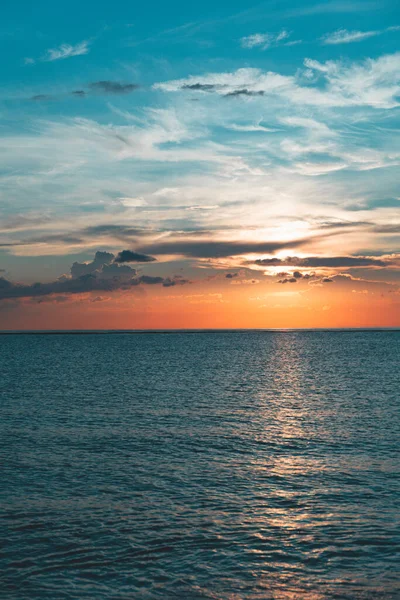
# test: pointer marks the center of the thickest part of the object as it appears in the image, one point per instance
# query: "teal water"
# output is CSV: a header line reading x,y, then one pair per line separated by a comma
x,y
187,466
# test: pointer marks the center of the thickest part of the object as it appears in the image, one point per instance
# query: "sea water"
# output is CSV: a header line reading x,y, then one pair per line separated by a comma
x,y
219,465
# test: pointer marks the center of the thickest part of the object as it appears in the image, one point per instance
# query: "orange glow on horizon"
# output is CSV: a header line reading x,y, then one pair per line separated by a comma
x,y
210,306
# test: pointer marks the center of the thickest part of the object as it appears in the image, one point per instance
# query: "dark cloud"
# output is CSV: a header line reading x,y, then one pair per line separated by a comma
x,y
45,239
216,249
231,275
296,276
41,97
288,280
100,260
149,280
79,285
84,283
101,274
321,262
243,92
200,87
49,299
67,239
213,87
342,224
124,233
112,87
97,87
119,231
387,228
175,280
19,221
269,262
130,256
164,281
117,271
327,280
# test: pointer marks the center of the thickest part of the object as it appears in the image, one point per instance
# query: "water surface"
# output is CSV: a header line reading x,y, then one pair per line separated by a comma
x,y
221,466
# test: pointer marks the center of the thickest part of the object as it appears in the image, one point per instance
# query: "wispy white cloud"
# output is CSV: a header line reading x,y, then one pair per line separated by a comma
x,y
214,172
66,51
257,39
335,6
344,36
266,40
250,127
313,126
373,82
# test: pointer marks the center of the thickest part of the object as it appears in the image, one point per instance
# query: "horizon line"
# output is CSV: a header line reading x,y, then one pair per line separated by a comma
x,y
191,330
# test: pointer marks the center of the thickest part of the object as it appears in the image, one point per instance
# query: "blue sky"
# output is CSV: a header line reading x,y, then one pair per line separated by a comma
x,y
136,126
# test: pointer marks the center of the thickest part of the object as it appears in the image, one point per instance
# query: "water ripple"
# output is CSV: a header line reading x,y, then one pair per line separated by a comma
x,y
228,466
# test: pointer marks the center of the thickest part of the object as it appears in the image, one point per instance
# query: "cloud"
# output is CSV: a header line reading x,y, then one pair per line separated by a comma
x,y
130,256
97,87
231,275
100,259
344,36
100,299
112,87
66,51
119,231
165,281
149,279
257,39
78,285
98,275
264,40
324,262
200,87
246,282
198,207
288,280
41,98
244,92
216,249
372,82
394,228
335,6
61,166
360,285
251,127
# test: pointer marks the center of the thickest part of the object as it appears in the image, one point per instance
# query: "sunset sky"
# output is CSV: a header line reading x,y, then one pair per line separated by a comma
x,y
200,165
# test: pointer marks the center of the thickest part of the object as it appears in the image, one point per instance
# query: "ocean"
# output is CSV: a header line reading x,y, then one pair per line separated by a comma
x,y
215,465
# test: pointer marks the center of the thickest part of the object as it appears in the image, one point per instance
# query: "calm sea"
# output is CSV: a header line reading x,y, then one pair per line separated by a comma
x,y
200,465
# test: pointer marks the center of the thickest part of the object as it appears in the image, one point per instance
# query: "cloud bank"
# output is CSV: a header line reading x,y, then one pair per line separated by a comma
x,y
324,261
373,82
101,274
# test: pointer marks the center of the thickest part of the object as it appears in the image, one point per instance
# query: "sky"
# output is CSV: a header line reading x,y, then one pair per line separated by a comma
x,y
200,165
